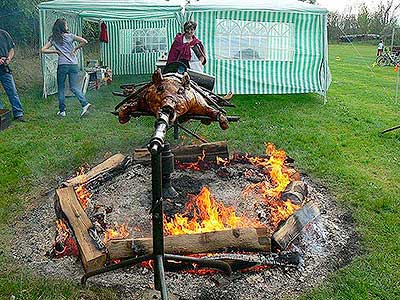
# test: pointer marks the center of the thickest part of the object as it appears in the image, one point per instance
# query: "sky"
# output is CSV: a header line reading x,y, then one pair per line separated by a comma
x,y
342,5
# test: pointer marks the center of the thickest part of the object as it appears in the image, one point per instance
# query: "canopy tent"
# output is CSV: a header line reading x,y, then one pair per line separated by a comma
x,y
139,32
253,47
264,46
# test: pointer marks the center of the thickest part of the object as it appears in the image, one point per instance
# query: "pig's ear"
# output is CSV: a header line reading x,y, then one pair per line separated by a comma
x,y
185,80
157,76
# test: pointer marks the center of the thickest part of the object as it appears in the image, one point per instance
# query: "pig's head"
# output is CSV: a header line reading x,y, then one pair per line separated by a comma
x,y
164,93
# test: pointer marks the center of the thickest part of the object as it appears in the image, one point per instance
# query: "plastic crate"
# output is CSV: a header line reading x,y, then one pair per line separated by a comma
x,y
5,118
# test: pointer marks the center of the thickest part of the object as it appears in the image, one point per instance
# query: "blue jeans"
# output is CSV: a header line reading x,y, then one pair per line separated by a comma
x,y
73,73
8,83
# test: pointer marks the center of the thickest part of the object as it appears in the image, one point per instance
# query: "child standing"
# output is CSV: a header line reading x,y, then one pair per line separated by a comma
x,y
380,48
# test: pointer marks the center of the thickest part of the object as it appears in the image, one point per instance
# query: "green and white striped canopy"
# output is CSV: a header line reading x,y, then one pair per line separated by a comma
x,y
252,47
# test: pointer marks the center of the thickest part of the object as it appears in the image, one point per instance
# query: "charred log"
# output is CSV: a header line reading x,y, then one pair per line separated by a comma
x,y
293,226
190,153
296,192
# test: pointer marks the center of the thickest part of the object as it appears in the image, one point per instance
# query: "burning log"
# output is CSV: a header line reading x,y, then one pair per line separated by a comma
x,y
293,226
294,175
243,239
92,258
296,191
108,168
190,153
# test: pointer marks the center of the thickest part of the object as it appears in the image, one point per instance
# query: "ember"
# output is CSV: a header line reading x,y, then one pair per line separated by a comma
x,y
118,232
64,243
199,165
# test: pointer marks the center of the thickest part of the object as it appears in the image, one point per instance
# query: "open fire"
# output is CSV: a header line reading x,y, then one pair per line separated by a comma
x,y
204,214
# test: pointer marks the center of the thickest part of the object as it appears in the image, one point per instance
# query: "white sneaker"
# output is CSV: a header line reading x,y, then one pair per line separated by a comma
x,y
61,114
85,109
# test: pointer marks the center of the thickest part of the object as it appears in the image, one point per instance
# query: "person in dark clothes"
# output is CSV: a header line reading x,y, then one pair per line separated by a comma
x,y
7,46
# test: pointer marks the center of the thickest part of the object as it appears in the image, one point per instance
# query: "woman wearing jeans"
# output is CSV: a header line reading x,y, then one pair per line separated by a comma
x,y
63,42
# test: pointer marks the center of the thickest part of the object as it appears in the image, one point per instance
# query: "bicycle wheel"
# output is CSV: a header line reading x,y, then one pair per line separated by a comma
x,y
382,61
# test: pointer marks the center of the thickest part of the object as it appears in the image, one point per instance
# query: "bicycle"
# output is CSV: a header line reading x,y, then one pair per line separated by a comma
x,y
387,59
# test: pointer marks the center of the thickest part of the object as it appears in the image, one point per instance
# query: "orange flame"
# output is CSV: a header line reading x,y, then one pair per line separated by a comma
x,y
275,182
118,232
207,215
62,231
83,195
64,243
274,165
81,192
193,166
222,161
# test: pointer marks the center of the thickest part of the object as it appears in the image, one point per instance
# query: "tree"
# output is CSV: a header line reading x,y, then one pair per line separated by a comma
x,y
380,21
21,19
363,19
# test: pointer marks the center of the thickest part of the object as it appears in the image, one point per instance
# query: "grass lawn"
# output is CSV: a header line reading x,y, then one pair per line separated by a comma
x,y
338,144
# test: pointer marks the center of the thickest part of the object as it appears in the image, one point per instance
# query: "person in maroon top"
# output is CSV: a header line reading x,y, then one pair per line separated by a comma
x,y
188,49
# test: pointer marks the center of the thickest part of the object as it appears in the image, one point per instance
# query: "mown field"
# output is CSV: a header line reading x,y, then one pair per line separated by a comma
x,y
338,144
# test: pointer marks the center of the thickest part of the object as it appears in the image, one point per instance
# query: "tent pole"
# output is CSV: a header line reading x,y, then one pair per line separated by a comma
x,y
325,26
396,98
391,46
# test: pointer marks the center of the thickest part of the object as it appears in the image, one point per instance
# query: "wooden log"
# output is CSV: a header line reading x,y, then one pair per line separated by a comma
x,y
108,168
296,191
244,239
242,261
293,226
294,175
92,258
190,153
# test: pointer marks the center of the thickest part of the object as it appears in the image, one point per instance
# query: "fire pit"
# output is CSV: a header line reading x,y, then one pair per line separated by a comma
x,y
325,244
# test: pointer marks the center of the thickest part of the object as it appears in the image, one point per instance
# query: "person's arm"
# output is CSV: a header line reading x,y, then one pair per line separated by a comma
x,y
46,49
10,46
82,42
203,58
6,60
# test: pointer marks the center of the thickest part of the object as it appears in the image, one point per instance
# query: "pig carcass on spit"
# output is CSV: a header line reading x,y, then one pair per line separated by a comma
x,y
174,94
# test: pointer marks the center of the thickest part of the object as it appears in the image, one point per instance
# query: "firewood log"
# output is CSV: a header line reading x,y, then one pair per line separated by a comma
x,y
293,226
190,153
296,191
108,168
243,239
92,258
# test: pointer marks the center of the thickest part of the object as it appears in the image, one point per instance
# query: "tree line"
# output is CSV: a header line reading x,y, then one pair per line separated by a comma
x,y
21,19
381,21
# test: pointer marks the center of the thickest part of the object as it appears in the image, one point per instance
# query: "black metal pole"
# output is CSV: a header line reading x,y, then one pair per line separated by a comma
x,y
155,147
157,215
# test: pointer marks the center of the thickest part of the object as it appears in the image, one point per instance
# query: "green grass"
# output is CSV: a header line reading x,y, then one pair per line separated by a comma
x,y
338,144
